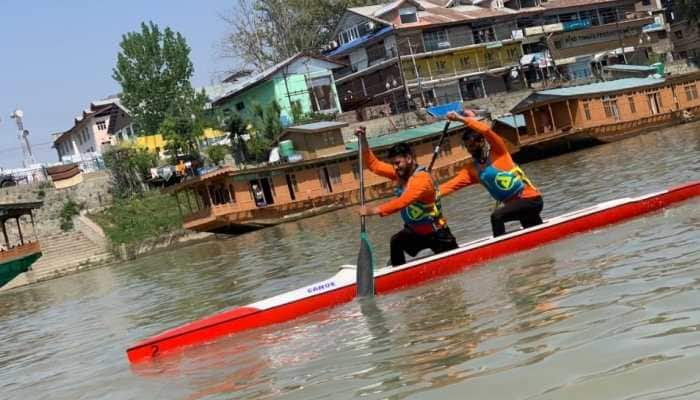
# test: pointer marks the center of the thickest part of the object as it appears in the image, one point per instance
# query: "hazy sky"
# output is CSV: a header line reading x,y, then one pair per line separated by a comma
x,y
57,55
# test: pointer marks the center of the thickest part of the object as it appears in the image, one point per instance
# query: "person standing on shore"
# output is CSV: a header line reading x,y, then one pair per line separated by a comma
x,y
418,201
494,168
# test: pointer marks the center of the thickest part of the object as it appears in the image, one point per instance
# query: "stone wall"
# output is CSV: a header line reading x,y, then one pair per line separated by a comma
x,y
93,193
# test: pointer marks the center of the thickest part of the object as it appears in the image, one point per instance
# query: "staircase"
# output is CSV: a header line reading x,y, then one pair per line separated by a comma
x,y
67,252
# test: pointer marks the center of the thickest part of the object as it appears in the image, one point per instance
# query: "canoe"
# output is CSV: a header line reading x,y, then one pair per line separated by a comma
x,y
341,288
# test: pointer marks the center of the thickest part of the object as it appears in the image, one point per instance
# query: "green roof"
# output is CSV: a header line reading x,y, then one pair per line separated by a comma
x,y
404,136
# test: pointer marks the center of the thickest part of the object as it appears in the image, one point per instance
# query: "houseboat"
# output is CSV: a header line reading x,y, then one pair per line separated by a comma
x,y
317,173
18,251
603,111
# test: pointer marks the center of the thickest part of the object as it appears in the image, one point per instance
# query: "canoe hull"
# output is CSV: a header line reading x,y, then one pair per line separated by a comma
x,y
341,287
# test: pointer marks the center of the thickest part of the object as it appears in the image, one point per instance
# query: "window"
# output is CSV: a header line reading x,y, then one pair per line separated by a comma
x,y
608,15
334,173
587,110
292,186
610,108
646,2
590,15
356,171
232,192
408,15
435,40
679,34
691,92
484,35
633,108
446,148
240,106
101,125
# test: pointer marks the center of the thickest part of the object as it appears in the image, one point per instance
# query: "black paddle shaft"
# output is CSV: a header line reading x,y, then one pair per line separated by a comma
x,y
437,148
365,264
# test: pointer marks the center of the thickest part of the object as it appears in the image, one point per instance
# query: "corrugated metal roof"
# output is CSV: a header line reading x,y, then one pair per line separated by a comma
x,y
602,87
508,120
626,67
359,41
317,126
403,136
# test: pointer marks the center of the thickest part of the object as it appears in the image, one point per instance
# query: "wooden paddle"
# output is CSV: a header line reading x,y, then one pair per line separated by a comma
x,y
365,259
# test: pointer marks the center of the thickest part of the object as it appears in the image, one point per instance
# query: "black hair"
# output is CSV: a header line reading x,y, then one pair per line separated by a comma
x,y
469,134
401,149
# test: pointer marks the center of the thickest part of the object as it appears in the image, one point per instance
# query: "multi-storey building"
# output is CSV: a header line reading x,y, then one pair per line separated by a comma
x,y
439,51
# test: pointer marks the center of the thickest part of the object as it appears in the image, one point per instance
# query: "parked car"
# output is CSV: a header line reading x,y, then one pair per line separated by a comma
x,y
7,180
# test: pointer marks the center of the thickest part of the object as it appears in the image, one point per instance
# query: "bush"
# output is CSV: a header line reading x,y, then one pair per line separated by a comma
x,y
217,153
140,217
70,209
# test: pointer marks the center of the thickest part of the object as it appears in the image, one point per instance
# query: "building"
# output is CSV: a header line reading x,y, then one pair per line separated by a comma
x,y
440,51
106,122
326,178
302,84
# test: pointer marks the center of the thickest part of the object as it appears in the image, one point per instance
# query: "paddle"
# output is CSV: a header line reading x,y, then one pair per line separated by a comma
x,y
437,148
365,259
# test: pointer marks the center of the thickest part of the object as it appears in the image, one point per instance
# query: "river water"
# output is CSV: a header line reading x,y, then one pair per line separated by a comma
x,y
611,314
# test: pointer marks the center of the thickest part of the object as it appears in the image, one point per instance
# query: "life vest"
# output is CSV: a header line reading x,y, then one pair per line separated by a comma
x,y
421,217
502,185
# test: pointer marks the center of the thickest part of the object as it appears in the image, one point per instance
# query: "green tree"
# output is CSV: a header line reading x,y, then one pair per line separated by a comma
x,y
688,9
185,122
129,168
266,32
217,153
154,71
237,127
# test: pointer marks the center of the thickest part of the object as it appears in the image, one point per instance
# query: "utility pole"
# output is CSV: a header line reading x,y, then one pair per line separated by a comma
x,y
415,69
23,136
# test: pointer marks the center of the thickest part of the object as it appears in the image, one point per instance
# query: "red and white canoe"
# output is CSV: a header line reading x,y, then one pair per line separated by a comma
x,y
341,288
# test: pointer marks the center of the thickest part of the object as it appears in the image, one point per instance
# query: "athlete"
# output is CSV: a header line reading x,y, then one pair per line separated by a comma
x,y
417,199
494,168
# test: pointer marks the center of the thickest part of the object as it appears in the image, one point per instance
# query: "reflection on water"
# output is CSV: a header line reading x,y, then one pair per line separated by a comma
x,y
609,314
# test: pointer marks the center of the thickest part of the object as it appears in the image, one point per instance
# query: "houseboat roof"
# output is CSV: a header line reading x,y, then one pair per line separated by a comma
x,y
590,90
317,127
13,210
403,136
627,67
508,120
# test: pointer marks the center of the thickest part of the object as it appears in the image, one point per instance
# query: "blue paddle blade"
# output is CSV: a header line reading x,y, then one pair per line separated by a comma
x,y
365,268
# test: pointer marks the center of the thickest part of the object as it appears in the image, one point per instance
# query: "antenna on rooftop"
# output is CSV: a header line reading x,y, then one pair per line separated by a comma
x,y
23,136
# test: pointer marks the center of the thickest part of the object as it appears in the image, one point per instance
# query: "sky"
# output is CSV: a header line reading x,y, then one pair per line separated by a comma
x,y
56,56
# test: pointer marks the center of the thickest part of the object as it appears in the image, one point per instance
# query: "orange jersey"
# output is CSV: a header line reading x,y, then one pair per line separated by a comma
x,y
418,189
499,156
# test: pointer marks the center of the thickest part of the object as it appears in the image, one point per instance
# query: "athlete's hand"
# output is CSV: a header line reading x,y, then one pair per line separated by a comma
x,y
453,116
367,211
468,113
360,132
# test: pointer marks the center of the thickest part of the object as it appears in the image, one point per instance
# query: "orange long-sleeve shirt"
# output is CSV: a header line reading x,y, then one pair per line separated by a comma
x,y
500,158
419,187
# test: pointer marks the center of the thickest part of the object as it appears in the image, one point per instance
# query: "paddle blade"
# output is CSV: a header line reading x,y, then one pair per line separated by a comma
x,y
365,268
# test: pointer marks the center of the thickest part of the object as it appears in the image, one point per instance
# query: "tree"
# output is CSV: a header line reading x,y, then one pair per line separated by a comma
x,y
689,10
185,122
266,32
237,127
129,167
154,70
217,153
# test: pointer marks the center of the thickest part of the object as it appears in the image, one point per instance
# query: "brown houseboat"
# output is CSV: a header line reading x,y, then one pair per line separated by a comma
x,y
325,178
604,111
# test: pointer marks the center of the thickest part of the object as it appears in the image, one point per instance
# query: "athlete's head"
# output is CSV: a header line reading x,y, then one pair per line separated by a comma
x,y
476,144
403,159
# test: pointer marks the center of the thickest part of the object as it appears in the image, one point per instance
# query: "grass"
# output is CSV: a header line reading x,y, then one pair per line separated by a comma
x,y
139,218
